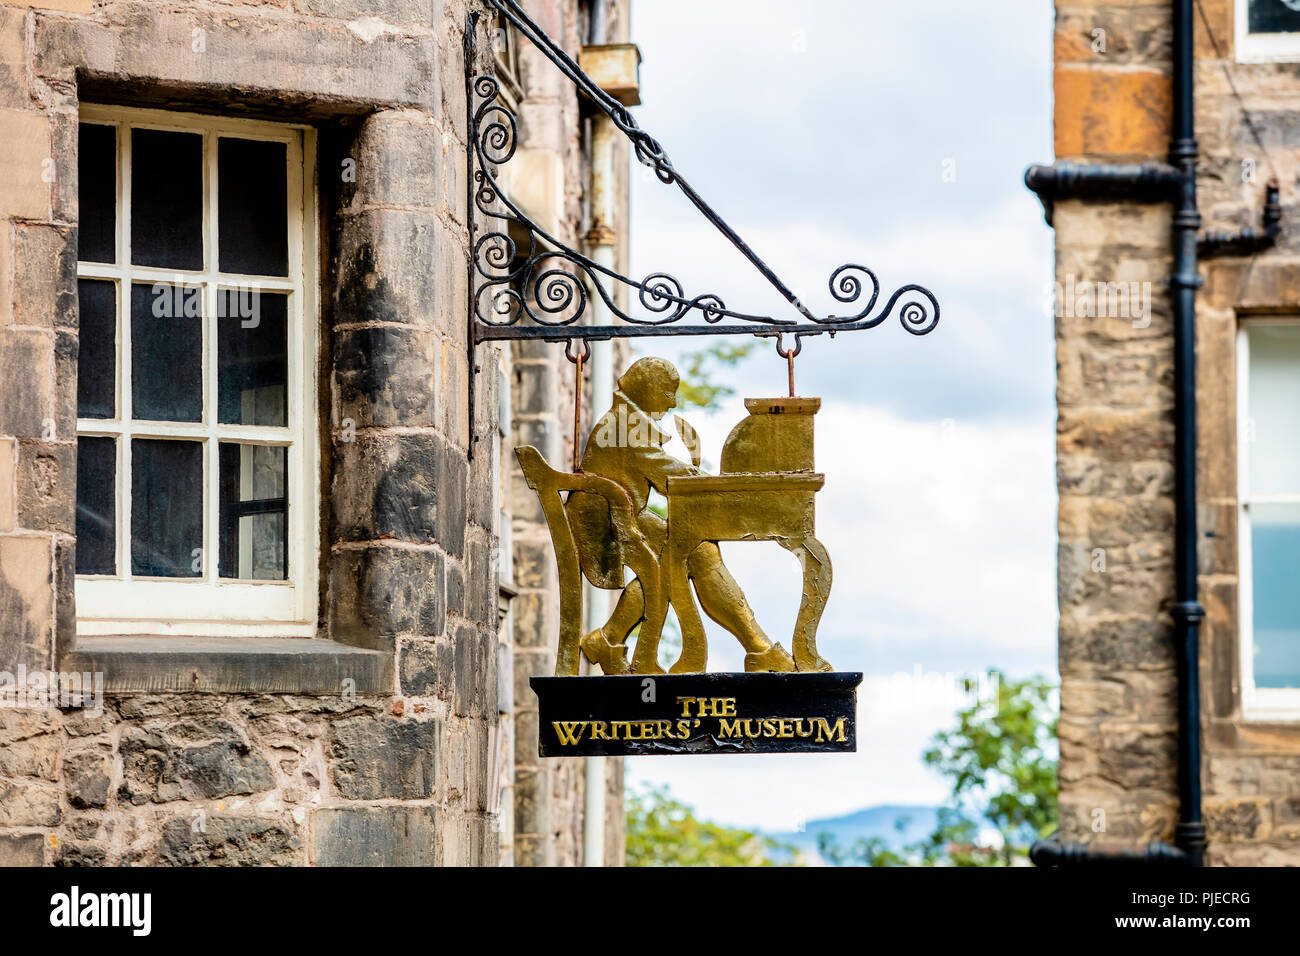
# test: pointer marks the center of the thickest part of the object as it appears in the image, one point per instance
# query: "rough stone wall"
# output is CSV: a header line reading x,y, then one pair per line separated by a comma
x,y
406,775
1115,439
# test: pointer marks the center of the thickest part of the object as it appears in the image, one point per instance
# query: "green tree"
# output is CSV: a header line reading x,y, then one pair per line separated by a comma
x,y
698,368
663,831
1001,760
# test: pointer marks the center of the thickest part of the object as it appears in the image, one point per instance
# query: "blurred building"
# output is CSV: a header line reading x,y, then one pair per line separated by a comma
x,y
1116,437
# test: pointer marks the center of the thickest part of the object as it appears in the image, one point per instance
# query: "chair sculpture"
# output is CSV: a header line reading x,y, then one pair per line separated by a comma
x,y
628,548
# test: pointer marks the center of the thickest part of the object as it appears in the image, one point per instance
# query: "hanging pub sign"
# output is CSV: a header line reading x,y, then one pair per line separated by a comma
x,y
603,529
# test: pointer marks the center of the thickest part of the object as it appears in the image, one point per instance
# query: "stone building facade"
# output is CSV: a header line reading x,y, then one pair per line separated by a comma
x,y
1115,433
346,681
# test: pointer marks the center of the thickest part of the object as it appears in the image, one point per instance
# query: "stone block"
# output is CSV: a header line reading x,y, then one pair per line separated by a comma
x,y
426,668
398,154
376,758
387,376
1114,643
228,841
482,570
200,759
532,803
476,672
86,779
26,849
391,486
324,67
375,836
534,618
384,270
26,356
14,90
1236,819
26,602
25,187
1111,113
47,487
1138,756
45,278
81,855
382,592
27,804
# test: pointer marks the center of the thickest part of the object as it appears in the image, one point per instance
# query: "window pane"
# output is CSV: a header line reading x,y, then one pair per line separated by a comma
x,y
166,508
96,506
97,359
1275,558
166,199
254,512
1274,16
167,352
252,207
252,377
1274,429
97,193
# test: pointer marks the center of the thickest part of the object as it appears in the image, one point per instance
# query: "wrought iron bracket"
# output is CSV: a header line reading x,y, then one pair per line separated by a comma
x,y
526,283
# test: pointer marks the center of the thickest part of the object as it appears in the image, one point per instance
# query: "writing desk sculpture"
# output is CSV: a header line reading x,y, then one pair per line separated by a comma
x,y
765,493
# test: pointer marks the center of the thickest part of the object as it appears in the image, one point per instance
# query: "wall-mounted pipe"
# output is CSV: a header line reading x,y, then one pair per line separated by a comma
x,y
1247,242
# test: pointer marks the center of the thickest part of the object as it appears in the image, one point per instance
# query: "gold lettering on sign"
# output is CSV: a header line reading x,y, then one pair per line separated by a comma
x,y
729,727
564,729
708,706
824,728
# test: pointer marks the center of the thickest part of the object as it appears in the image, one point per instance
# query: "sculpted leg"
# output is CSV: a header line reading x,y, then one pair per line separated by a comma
x,y
724,601
607,646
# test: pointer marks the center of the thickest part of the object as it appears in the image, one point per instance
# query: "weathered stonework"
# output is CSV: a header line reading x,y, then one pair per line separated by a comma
x,y
1115,438
418,766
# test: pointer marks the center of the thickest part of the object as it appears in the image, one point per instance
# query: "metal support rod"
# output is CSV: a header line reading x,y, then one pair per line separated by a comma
x,y
471,339
577,412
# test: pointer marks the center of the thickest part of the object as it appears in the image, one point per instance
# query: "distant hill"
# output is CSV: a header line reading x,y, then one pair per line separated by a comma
x,y
871,822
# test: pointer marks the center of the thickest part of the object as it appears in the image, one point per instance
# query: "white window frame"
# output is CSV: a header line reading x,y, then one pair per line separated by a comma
x,y
1257,703
211,605
1262,47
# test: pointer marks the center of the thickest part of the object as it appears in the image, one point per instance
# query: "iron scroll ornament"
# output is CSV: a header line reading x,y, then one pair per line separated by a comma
x,y
543,291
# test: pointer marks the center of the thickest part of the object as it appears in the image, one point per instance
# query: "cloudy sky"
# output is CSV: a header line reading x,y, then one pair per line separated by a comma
x,y
893,135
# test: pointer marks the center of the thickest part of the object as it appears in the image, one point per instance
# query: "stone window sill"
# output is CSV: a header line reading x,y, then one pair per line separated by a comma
x,y
231,665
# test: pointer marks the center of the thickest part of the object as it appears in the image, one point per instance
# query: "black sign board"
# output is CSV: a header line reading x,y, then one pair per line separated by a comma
x,y
638,715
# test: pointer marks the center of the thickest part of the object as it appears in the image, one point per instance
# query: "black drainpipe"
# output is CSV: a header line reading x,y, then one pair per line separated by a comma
x,y
1158,182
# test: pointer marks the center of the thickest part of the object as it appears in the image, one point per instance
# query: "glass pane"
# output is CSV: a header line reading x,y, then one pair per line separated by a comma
x,y
96,506
1275,557
97,359
1274,429
97,193
252,207
167,352
252,373
254,512
166,199
1274,16
166,508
